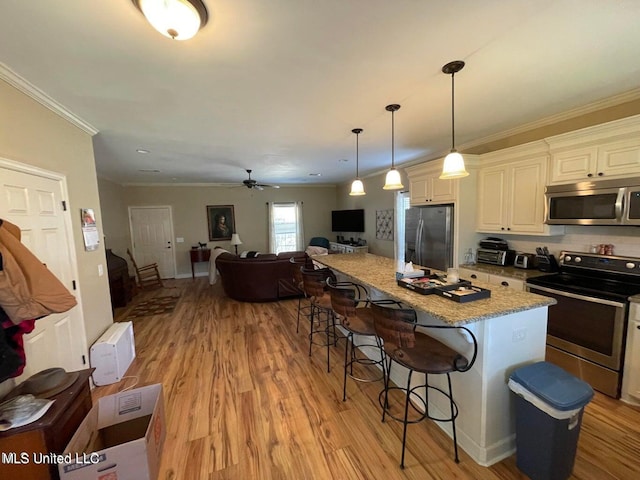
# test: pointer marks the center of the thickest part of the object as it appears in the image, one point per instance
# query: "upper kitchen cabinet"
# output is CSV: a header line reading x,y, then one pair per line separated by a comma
x,y
606,151
426,187
511,186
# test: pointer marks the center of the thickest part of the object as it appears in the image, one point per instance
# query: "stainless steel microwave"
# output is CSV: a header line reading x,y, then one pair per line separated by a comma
x,y
605,202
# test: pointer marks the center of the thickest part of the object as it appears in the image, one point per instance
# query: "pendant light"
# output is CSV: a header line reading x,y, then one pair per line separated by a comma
x,y
357,188
176,19
453,163
392,181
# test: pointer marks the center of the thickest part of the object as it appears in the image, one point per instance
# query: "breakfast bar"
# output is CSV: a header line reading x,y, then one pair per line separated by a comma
x,y
510,328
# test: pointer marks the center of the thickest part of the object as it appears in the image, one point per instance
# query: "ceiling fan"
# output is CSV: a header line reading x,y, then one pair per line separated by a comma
x,y
251,183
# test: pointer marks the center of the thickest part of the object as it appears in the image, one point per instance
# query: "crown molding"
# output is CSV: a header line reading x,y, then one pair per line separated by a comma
x,y
16,81
221,185
608,102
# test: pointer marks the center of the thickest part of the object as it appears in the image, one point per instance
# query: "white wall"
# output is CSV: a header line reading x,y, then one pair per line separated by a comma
x,y
375,199
626,240
189,204
32,134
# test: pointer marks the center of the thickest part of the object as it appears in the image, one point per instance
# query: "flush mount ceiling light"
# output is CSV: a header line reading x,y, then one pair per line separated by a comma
x,y
392,180
357,188
176,19
453,163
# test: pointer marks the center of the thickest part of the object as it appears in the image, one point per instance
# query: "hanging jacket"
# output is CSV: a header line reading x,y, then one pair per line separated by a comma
x,y
28,289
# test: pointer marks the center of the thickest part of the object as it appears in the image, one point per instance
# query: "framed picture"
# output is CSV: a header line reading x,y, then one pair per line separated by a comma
x,y
221,221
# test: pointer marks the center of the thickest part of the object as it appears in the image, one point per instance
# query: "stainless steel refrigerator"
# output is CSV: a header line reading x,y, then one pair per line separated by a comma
x,y
429,236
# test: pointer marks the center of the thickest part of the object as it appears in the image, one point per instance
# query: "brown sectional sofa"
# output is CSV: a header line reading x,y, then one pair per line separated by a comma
x,y
264,278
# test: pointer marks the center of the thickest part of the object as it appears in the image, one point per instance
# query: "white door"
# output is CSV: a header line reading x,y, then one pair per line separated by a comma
x,y
32,200
152,236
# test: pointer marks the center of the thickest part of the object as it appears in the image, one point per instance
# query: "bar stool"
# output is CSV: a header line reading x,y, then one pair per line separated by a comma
x,y
322,318
298,282
419,352
350,302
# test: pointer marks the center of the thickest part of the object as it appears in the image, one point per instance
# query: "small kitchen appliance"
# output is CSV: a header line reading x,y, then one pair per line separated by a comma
x,y
496,257
495,251
524,260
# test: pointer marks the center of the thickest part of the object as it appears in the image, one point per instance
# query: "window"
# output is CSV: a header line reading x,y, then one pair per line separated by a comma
x,y
285,227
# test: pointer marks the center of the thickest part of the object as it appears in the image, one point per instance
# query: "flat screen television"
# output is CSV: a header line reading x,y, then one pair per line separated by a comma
x,y
347,220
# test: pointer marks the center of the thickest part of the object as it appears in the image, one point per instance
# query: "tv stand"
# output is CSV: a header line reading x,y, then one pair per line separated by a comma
x,y
335,247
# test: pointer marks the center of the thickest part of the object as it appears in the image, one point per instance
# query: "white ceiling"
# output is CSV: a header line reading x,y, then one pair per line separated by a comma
x,y
278,85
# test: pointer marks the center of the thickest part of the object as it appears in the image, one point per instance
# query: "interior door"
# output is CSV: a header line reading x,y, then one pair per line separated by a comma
x,y
32,200
152,236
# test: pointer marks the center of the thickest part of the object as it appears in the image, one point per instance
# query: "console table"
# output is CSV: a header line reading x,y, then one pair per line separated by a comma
x,y
49,434
199,255
347,248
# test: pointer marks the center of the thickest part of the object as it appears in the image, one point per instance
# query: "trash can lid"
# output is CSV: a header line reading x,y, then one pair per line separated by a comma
x,y
554,385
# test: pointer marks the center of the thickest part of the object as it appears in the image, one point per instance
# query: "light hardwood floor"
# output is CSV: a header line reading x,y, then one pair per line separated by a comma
x,y
245,401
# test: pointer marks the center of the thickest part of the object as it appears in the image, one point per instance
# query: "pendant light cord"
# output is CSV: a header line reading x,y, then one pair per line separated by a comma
x,y
393,129
357,155
453,123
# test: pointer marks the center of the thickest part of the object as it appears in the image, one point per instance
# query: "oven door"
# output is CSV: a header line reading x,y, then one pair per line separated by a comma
x,y
587,327
585,207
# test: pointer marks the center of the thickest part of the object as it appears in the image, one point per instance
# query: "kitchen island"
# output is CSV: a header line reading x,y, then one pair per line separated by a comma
x,y
510,328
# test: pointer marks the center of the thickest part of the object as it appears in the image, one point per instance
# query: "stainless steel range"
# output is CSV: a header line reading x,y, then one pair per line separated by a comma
x,y
587,327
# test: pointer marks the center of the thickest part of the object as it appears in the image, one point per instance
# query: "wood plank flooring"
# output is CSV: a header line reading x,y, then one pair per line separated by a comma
x,y
245,401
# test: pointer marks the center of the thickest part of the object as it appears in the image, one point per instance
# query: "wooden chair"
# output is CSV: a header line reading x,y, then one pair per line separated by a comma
x,y
148,276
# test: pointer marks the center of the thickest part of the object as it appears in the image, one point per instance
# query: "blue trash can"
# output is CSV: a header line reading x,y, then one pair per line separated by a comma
x,y
549,407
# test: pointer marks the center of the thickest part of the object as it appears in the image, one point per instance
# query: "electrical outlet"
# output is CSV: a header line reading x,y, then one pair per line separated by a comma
x,y
519,335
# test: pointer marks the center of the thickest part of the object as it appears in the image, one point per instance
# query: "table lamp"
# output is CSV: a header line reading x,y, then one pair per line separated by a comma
x,y
235,241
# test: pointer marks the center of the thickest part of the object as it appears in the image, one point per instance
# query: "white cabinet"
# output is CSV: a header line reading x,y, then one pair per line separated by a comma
x,y
612,160
511,192
506,282
610,150
631,375
425,186
467,274
472,275
573,165
342,248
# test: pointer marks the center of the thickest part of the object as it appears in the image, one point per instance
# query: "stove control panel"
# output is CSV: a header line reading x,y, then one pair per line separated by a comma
x,y
603,263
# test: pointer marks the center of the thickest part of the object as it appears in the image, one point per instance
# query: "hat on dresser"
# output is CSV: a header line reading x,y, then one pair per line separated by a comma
x,y
47,383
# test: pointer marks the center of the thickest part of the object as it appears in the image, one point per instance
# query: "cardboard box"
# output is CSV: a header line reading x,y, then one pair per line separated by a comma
x,y
121,438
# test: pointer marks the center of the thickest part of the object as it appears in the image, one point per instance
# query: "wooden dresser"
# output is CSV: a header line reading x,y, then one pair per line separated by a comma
x,y
51,433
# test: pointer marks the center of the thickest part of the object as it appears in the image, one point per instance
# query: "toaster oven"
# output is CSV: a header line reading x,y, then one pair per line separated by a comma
x,y
496,257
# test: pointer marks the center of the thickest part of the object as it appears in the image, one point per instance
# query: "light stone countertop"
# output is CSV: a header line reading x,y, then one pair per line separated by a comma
x,y
511,272
379,272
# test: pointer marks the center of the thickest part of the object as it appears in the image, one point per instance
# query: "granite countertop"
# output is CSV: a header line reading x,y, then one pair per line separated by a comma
x,y
379,273
511,272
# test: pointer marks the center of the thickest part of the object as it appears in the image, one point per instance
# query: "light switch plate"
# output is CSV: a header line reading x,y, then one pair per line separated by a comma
x,y
180,240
